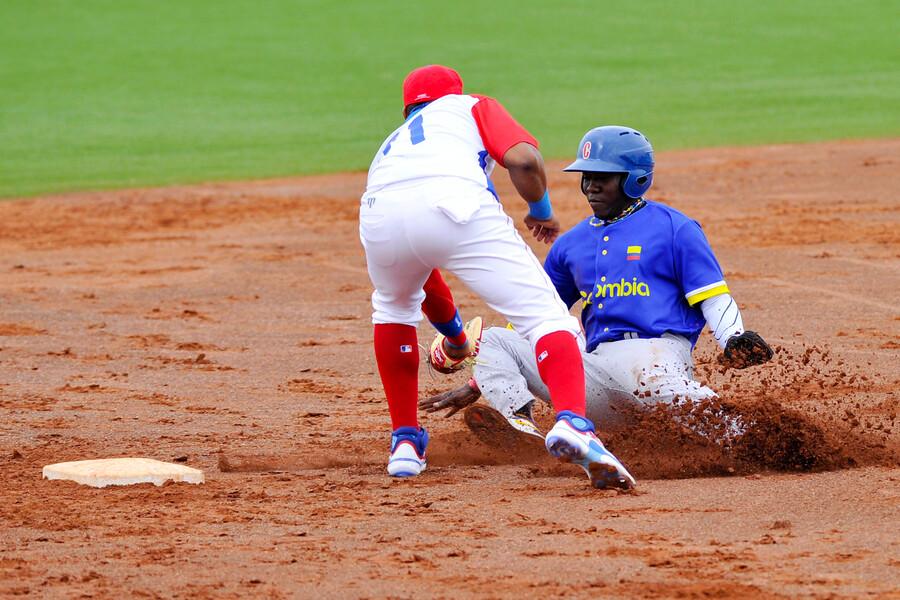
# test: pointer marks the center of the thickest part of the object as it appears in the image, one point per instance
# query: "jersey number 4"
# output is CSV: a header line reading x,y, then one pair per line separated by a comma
x,y
416,134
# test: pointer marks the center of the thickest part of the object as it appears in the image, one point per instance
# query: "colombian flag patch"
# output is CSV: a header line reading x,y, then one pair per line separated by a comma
x,y
633,253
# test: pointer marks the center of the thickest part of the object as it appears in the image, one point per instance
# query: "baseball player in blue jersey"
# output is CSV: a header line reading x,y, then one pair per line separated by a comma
x,y
648,282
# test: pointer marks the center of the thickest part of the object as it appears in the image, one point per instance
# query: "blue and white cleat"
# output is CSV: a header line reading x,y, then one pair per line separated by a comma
x,y
407,452
572,440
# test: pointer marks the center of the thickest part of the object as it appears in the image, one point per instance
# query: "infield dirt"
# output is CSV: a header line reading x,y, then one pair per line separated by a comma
x,y
226,327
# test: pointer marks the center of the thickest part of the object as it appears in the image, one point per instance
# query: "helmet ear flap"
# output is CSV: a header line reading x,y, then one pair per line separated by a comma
x,y
635,186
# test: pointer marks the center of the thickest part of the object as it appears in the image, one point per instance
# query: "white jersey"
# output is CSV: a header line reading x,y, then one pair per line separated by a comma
x,y
459,136
430,205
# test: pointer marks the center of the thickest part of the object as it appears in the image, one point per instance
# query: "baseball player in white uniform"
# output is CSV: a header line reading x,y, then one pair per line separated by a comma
x,y
648,283
430,204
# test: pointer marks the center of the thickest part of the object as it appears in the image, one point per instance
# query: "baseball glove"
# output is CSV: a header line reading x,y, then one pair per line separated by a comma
x,y
746,350
444,363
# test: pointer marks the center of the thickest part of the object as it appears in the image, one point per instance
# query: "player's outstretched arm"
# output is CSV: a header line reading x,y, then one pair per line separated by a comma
x,y
746,350
526,170
455,399
741,348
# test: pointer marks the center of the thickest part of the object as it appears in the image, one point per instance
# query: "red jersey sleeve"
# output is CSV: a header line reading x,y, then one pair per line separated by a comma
x,y
499,131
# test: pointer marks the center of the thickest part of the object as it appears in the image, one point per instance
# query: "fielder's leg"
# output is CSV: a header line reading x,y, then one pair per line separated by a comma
x,y
493,260
398,276
442,312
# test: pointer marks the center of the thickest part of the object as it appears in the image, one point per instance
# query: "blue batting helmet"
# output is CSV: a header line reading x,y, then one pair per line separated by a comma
x,y
614,149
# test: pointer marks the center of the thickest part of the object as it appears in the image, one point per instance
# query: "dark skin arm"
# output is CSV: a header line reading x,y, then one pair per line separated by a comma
x,y
526,171
455,400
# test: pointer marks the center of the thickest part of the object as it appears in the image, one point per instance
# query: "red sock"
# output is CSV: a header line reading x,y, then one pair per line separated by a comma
x,y
439,307
397,355
560,366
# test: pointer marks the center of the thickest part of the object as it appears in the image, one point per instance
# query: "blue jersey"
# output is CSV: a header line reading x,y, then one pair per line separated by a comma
x,y
638,277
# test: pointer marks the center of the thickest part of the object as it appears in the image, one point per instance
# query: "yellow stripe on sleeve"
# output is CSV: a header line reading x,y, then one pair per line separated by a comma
x,y
701,296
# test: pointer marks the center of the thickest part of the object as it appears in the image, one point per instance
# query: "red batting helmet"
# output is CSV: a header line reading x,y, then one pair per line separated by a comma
x,y
430,83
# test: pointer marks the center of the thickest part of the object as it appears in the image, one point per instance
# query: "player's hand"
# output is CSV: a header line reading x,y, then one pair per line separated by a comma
x,y
543,231
746,350
455,400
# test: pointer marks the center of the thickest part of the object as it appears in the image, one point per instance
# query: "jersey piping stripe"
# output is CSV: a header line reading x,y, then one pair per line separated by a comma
x,y
701,294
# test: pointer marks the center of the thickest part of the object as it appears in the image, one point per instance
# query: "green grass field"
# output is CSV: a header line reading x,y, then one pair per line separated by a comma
x,y
115,93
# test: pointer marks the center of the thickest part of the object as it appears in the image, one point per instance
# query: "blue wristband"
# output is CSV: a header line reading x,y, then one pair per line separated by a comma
x,y
451,328
541,210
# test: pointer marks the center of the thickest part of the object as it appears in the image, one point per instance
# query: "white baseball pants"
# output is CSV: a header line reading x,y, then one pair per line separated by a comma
x,y
449,224
639,372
